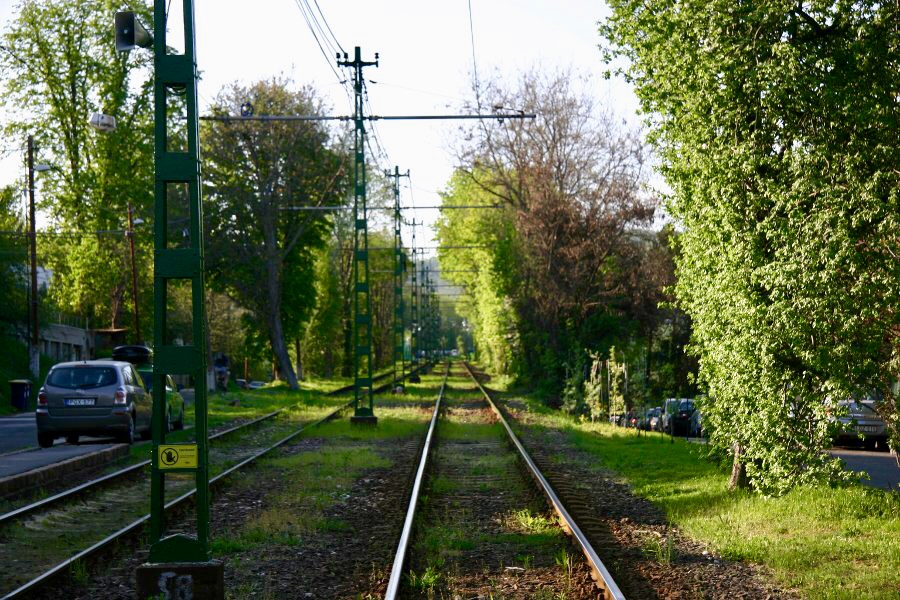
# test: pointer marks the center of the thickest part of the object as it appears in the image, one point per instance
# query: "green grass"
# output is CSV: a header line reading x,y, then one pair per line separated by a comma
x,y
316,481
823,542
392,423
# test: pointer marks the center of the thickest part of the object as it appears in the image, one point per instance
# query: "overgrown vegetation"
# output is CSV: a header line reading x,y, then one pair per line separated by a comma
x,y
823,541
566,266
776,124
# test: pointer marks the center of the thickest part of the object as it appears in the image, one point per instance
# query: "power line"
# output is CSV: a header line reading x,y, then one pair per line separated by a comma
x,y
312,29
328,26
474,63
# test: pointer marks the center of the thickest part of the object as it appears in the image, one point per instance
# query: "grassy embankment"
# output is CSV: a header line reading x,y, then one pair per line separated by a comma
x,y
821,542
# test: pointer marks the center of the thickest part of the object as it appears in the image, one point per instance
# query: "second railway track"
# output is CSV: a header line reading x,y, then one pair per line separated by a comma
x,y
68,527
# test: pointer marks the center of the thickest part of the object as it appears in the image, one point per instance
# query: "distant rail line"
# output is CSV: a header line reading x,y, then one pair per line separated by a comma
x,y
601,575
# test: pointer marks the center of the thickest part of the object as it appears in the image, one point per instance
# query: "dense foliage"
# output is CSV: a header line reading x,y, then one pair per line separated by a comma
x,y
260,251
60,66
564,265
776,123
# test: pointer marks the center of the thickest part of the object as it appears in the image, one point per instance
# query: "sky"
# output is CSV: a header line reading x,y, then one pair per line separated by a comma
x,y
425,63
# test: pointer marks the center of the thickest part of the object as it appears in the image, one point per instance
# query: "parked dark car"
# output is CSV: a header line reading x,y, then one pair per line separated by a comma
x,y
631,419
669,408
650,415
683,417
862,424
97,398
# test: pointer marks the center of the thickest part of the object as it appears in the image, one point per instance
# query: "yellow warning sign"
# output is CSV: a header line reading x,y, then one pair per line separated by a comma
x,y
178,456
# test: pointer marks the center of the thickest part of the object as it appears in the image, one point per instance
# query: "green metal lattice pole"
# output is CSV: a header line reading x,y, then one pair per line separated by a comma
x,y
399,366
363,401
177,261
414,313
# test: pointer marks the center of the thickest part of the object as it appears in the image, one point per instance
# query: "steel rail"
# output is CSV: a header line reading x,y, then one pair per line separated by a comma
x,y
602,577
137,524
125,471
393,586
137,467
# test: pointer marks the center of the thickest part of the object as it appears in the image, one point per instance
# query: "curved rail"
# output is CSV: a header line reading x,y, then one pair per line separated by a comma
x,y
601,575
400,557
136,525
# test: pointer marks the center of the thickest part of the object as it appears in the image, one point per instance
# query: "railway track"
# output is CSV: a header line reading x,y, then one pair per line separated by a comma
x,y
46,508
399,583
138,468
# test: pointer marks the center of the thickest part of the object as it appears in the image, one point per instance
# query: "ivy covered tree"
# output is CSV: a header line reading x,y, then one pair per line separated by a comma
x,y
776,123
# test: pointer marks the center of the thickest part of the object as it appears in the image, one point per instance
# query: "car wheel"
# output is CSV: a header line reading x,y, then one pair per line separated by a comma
x,y
127,437
179,424
72,439
45,440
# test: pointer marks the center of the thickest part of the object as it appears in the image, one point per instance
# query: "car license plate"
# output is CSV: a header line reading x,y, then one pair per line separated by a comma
x,y
80,401
866,428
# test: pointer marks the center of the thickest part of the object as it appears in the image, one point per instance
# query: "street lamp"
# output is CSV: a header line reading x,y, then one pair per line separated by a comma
x,y
129,233
34,354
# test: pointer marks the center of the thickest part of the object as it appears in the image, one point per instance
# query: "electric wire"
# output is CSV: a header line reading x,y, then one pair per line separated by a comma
x,y
329,56
474,63
324,20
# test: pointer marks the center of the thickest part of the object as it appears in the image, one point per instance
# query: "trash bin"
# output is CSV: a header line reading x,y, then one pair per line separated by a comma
x,y
20,393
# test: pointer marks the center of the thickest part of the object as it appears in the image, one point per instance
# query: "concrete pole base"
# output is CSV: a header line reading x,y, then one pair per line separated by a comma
x,y
197,581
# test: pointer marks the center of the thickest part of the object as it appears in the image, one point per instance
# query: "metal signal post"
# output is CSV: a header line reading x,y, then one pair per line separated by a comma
x,y
177,173
399,264
363,409
414,314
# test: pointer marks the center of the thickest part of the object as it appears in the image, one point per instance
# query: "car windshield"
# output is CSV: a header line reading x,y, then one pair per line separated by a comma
x,y
686,405
861,408
82,377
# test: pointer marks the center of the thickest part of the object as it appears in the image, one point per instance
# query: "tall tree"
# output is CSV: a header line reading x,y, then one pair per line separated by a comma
x,y
572,183
776,123
260,251
13,258
59,66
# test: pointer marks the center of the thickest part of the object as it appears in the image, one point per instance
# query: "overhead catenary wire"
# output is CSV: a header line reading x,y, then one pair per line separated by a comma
x,y
312,29
327,26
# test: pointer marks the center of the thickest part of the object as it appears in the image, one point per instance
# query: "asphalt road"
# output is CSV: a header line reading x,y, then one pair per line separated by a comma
x,y
18,446
17,431
881,466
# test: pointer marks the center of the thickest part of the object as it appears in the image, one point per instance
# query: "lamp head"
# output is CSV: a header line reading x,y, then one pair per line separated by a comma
x,y
101,122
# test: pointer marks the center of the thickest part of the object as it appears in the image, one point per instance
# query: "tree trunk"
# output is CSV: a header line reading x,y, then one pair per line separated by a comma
x,y
273,310
328,367
738,470
297,350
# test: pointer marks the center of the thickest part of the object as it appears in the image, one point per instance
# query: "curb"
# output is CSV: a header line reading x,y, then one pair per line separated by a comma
x,y
20,483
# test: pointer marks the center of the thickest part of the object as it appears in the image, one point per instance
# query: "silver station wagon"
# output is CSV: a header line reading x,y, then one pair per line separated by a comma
x,y
96,398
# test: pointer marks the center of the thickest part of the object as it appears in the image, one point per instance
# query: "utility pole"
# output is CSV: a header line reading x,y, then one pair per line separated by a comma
x,y
129,233
426,314
34,353
363,401
414,314
399,366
